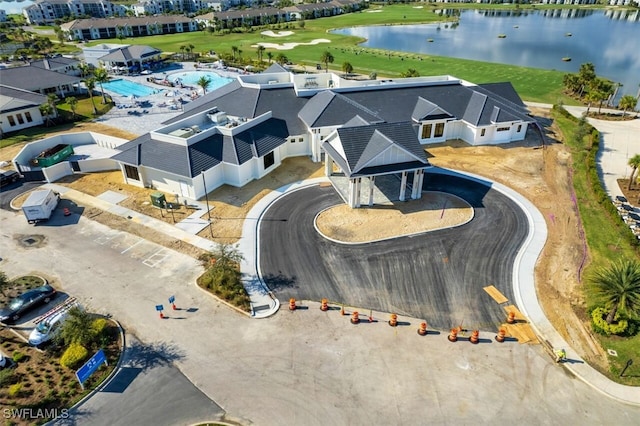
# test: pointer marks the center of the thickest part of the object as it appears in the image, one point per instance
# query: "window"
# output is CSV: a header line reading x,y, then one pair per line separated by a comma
x,y
28,115
269,160
503,129
519,127
426,131
131,172
12,121
300,139
482,132
439,130
20,118
292,140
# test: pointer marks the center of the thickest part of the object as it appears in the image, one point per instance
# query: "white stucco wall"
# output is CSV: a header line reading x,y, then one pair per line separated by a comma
x,y
97,165
57,171
36,119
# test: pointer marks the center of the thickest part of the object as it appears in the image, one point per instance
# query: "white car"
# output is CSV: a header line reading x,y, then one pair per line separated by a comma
x,y
47,329
3,360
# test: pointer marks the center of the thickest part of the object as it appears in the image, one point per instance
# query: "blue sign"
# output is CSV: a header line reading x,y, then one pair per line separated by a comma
x,y
90,366
172,299
159,307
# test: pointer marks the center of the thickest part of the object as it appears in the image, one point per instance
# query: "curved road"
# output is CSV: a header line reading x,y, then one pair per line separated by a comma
x,y
437,276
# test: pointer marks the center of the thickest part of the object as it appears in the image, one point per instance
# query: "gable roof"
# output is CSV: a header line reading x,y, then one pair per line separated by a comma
x,y
189,161
362,150
425,109
34,78
328,108
128,53
14,99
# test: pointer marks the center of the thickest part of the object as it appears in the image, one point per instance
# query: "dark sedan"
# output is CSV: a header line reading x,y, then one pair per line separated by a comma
x,y
25,302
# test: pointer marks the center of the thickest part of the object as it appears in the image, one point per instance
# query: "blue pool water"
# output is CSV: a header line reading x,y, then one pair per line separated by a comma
x,y
191,79
128,88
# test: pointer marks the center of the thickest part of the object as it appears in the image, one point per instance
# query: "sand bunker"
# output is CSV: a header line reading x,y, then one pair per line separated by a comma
x,y
278,34
289,46
374,11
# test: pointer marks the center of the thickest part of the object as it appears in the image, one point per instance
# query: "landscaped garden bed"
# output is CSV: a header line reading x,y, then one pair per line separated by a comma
x,y
34,386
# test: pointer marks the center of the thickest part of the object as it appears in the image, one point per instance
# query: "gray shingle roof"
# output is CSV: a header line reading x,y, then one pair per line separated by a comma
x,y
14,99
260,139
34,78
132,21
361,144
130,52
425,109
328,108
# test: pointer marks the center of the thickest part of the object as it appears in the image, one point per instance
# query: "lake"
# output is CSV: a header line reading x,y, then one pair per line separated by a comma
x,y
540,39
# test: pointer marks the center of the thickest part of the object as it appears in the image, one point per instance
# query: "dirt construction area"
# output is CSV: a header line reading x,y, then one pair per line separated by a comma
x,y
540,174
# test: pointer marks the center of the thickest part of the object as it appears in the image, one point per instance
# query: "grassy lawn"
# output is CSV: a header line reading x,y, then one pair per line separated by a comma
x,y
608,240
84,112
531,83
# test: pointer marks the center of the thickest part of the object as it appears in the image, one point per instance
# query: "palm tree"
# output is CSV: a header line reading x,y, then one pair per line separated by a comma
x,y
101,76
282,59
190,51
204,83
634,163
234,49
270,56
326,58
411,72
618,287
73,104
592,96
260,50
347,68
90,83
627,102
84,69
182,48
46,110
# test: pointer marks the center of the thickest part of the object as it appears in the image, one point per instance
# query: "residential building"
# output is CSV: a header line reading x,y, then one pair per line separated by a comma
x,y
47,11
95,29
60,65
19,109
131,58
38,79
3,15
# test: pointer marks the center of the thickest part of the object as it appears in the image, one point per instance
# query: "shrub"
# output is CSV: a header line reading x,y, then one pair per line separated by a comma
x,y
73,356
6,377
18,356
98,326
15,390
601,326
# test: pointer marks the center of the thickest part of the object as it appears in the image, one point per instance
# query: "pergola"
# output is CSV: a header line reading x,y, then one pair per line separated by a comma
x,y
372,150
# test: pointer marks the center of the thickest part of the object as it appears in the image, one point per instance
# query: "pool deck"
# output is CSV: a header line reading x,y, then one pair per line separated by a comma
x,y
162,106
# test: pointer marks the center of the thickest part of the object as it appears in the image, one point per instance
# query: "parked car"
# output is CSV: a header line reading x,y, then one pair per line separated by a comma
x,y
48,328
26,301
8,177
3,360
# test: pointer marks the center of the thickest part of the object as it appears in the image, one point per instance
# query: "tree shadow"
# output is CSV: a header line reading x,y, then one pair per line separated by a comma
x,y
280,281
145,356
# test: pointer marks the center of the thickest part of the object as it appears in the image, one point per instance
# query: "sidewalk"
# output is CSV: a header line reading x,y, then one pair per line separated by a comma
x,y
262,302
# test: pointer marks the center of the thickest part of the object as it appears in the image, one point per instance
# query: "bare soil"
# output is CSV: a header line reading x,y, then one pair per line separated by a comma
x,y
541,174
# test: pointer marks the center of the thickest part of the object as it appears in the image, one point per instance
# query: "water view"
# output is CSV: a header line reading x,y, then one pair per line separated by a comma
x,y
540,39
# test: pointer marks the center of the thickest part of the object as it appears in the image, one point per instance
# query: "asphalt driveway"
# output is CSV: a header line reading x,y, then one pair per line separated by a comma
x,y
437,276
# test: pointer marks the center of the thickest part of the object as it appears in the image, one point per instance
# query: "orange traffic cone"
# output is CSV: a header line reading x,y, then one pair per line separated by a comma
x,y
323,305
500,335
423,329
475,337
354,318
393,320
453,335
292,304
511,318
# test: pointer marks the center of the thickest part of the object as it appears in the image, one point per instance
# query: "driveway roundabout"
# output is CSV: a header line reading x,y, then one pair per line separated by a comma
x,y
438,276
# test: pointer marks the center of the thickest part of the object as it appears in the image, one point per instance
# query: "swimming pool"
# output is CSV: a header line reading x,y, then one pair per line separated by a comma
x,y
127,88
191,78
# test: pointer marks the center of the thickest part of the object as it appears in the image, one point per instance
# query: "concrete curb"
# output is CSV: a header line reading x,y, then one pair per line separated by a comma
x,y
333,240
224,302
113,373
527,301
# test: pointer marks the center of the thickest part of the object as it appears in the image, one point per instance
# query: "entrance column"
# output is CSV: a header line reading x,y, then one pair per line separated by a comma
x,y
403,186
328,165
420,182
352,193
371,187
416,189
357,191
